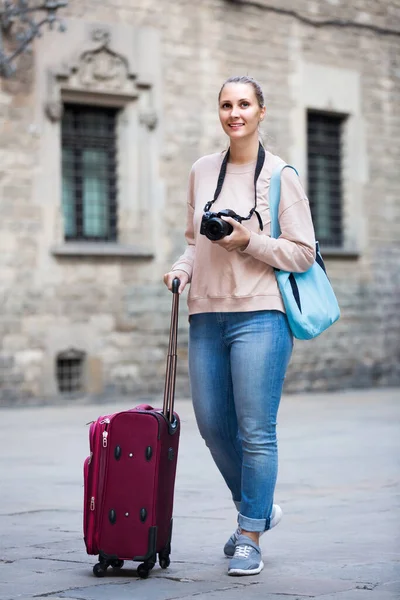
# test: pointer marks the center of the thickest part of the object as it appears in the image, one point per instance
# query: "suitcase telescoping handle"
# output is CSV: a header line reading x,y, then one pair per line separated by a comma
x,y
170,376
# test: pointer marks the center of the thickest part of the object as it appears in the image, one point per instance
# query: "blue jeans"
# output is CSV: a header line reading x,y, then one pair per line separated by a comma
x,y
237,366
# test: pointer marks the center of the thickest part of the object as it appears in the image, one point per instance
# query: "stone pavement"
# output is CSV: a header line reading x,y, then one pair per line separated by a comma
x,y
338,486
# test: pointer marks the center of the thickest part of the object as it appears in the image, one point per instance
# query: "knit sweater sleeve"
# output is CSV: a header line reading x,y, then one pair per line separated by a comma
x,y
185,262
294,250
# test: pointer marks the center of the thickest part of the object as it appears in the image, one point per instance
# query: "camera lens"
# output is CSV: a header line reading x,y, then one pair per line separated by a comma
x,y
216,229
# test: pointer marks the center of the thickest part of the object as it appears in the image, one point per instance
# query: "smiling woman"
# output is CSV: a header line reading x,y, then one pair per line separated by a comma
x,y
240,342
241,109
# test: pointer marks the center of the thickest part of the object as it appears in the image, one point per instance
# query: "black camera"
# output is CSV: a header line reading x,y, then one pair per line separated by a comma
x,y
215,228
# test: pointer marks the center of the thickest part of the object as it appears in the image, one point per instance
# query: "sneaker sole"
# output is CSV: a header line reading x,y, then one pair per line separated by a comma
x,y
237,572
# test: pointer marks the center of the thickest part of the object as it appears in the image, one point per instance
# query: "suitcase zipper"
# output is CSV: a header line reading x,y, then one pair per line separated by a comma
x,y
102,468
106,423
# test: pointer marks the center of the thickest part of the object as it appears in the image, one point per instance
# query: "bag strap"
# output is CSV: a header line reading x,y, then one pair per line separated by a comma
x,y
221,179
275,196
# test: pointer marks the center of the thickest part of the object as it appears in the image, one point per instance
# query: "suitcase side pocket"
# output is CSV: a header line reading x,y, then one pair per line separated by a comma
x,y
91,484
85,497
88,508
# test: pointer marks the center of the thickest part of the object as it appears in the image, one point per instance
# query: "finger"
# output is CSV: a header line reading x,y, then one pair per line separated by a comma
x,y
183,279
166,280
231,221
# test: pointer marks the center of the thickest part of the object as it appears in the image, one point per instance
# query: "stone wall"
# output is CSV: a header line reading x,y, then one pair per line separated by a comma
x,y
116,309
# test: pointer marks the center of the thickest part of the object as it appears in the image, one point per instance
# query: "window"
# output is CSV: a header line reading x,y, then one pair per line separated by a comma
x,y
324,148
70,372
89,179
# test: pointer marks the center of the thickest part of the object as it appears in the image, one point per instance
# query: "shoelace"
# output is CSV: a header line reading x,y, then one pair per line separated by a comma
x,y
242,551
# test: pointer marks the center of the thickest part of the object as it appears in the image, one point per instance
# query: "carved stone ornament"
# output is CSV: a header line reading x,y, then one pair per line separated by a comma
x,y
54,110
101,35
149,119
103,68
99,70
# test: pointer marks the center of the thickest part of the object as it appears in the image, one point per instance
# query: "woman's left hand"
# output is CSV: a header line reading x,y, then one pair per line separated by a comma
x,y
237,240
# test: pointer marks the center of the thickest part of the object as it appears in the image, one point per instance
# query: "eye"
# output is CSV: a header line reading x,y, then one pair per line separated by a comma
x,y
226,105
245,104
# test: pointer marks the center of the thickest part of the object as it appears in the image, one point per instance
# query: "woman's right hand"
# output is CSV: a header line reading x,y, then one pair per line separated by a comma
x,y
181,275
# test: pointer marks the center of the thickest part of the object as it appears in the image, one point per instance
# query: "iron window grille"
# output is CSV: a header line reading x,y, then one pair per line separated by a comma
x,y
70,365
325,190
89,173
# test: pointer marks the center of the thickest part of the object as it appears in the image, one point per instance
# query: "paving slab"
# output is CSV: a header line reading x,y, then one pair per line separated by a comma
x,y
361,594
338,486
161,589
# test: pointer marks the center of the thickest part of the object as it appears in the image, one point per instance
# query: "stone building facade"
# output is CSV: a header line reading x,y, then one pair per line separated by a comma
x,y
88,314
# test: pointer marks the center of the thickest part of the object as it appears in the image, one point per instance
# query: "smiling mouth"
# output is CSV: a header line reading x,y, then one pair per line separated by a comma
x,y
236,125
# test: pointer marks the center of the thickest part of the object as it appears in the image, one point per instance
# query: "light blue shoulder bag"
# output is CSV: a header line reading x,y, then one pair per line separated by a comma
x,y
310,302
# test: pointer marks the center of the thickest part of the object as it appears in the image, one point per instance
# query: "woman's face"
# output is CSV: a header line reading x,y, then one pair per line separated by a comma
x,y
239,110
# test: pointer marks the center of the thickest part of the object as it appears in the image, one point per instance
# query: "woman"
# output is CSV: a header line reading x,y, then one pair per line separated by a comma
x,y
239,341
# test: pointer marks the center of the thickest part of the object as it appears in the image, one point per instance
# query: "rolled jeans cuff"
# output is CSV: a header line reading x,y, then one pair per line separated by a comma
x,y
248,524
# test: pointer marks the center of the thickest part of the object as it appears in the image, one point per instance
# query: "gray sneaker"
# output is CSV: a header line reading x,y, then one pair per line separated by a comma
x,y
229,548
247,559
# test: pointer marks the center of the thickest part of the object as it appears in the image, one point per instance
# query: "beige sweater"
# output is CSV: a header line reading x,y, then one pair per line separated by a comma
x,y
242,281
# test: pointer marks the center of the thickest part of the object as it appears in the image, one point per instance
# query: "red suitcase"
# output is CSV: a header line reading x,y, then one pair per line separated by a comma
x,y
129,478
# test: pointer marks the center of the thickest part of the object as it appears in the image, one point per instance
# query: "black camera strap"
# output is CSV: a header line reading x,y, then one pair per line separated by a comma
x,y
221,179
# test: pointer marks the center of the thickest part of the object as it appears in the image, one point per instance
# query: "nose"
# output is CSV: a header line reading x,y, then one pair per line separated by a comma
x,y
235,112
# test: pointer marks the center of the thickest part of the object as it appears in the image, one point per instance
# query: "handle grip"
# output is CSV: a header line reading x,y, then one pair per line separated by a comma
x,y
144,407
175,285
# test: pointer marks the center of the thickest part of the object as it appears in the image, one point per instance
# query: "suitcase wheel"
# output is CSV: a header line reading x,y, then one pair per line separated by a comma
x,y
164,563
163,559
117,564
143,571
100,569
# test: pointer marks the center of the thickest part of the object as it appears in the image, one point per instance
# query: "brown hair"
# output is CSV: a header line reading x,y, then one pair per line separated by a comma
x,y
245,79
